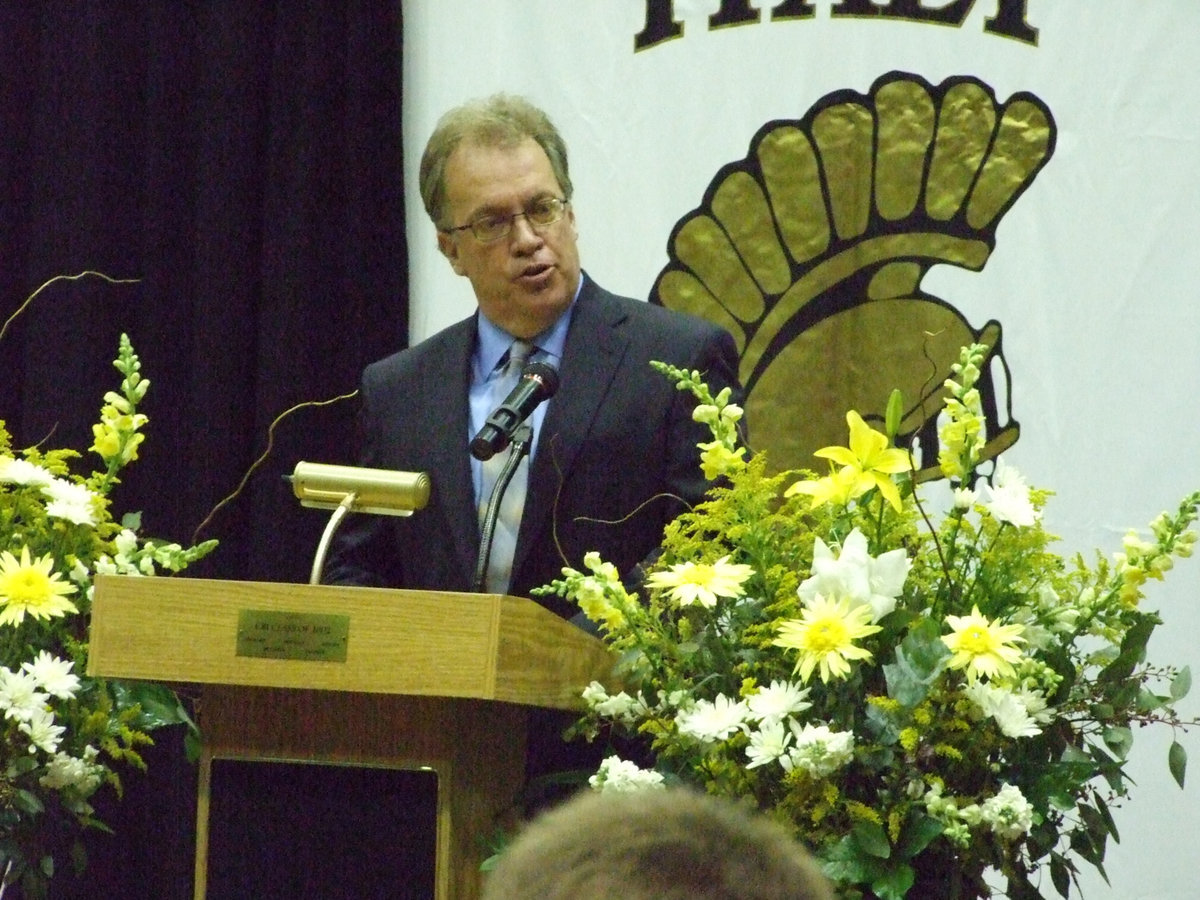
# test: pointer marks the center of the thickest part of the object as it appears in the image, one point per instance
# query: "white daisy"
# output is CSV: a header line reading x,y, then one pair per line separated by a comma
x,y
777,702
21,471
70,501
53,675
767,744
713,720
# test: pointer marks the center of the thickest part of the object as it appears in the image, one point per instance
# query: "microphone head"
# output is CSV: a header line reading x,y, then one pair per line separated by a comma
x,y
538,383
545,375
488,443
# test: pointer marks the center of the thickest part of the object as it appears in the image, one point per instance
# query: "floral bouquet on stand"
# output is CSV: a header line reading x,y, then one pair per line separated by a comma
x,y
64,735
932,700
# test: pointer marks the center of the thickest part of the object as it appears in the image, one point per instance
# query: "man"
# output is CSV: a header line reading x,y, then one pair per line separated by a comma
x,y
654,844
614,451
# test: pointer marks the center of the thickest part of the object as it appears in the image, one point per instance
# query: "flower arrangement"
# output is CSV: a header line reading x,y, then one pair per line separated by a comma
x,y
932,702
64,735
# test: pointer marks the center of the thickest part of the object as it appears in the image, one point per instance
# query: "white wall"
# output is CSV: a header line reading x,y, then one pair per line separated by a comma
x,y
1092,276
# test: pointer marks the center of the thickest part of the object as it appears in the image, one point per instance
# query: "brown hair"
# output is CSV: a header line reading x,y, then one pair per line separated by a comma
x,y
655,844
502,120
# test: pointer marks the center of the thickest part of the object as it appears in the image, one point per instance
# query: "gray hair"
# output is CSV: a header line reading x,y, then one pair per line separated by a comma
x,y
502,120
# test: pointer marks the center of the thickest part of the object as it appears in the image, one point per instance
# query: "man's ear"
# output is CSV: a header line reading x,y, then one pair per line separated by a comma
x,y
449,249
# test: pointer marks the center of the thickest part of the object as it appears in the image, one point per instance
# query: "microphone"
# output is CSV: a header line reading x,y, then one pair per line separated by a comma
x,y
538,382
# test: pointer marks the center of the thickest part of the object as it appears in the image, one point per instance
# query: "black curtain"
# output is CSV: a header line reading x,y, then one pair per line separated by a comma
x,y
242,161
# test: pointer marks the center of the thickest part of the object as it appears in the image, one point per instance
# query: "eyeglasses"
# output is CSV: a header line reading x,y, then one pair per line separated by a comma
x,y
540,214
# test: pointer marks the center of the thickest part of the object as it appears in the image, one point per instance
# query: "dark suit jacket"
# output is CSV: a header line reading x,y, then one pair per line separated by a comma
x,y
616,440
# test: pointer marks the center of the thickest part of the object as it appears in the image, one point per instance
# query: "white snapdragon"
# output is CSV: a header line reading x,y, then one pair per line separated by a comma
x,y
619,775
80,574
1008,813
80,775
617,706
955,821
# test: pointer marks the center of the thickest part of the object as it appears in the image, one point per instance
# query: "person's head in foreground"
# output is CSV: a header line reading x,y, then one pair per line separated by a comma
x,y
654,845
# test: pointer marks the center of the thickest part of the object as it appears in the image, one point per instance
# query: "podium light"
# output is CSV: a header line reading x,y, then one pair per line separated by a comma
x,y
346,489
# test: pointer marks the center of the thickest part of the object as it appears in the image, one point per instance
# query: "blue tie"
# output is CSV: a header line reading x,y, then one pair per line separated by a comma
x,y
508,523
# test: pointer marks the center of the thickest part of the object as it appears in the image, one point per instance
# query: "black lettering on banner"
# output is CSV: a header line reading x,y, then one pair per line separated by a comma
x,y
660,25
1010,19
793,9
910,10
733,12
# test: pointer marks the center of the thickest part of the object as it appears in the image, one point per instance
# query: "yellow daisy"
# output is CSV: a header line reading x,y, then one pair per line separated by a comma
x,y
983,646
702,583
33,587
825,634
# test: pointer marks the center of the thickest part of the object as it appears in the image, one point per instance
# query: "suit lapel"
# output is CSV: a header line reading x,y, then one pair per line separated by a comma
x,y
446,388
592,357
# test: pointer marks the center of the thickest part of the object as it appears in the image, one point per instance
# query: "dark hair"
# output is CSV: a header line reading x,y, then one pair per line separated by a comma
x,y
502,120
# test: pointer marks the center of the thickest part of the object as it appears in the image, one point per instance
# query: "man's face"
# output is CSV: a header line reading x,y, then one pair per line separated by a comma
x,y
525,280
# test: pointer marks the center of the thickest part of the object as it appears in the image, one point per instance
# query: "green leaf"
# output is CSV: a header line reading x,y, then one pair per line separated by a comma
x,y
79,857
1119,740
872,839
1133,651
1181,683
1148,701
1021,888
1083,842
845,861
916,836
1060,874
920,659
1097,826
159,705
1126,696
1177,762
895,883
193,745
27,801
1072,754
1109,822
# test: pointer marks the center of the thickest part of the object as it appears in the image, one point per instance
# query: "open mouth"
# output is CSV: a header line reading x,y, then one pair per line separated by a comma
x,y
535,275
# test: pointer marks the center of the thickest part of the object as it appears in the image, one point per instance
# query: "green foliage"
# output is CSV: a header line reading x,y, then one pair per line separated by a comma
x,y
64,735
918,693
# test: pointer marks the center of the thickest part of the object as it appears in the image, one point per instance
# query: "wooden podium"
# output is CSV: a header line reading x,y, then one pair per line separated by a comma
x,y
355,676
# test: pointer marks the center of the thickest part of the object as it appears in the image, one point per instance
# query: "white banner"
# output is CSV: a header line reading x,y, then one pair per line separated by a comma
x,y
1091,274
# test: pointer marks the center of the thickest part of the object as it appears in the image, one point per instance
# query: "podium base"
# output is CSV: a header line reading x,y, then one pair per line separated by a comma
x,y
289,829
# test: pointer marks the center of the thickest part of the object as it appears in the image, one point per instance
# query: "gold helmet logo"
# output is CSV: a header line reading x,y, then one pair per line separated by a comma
x,y
812,249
